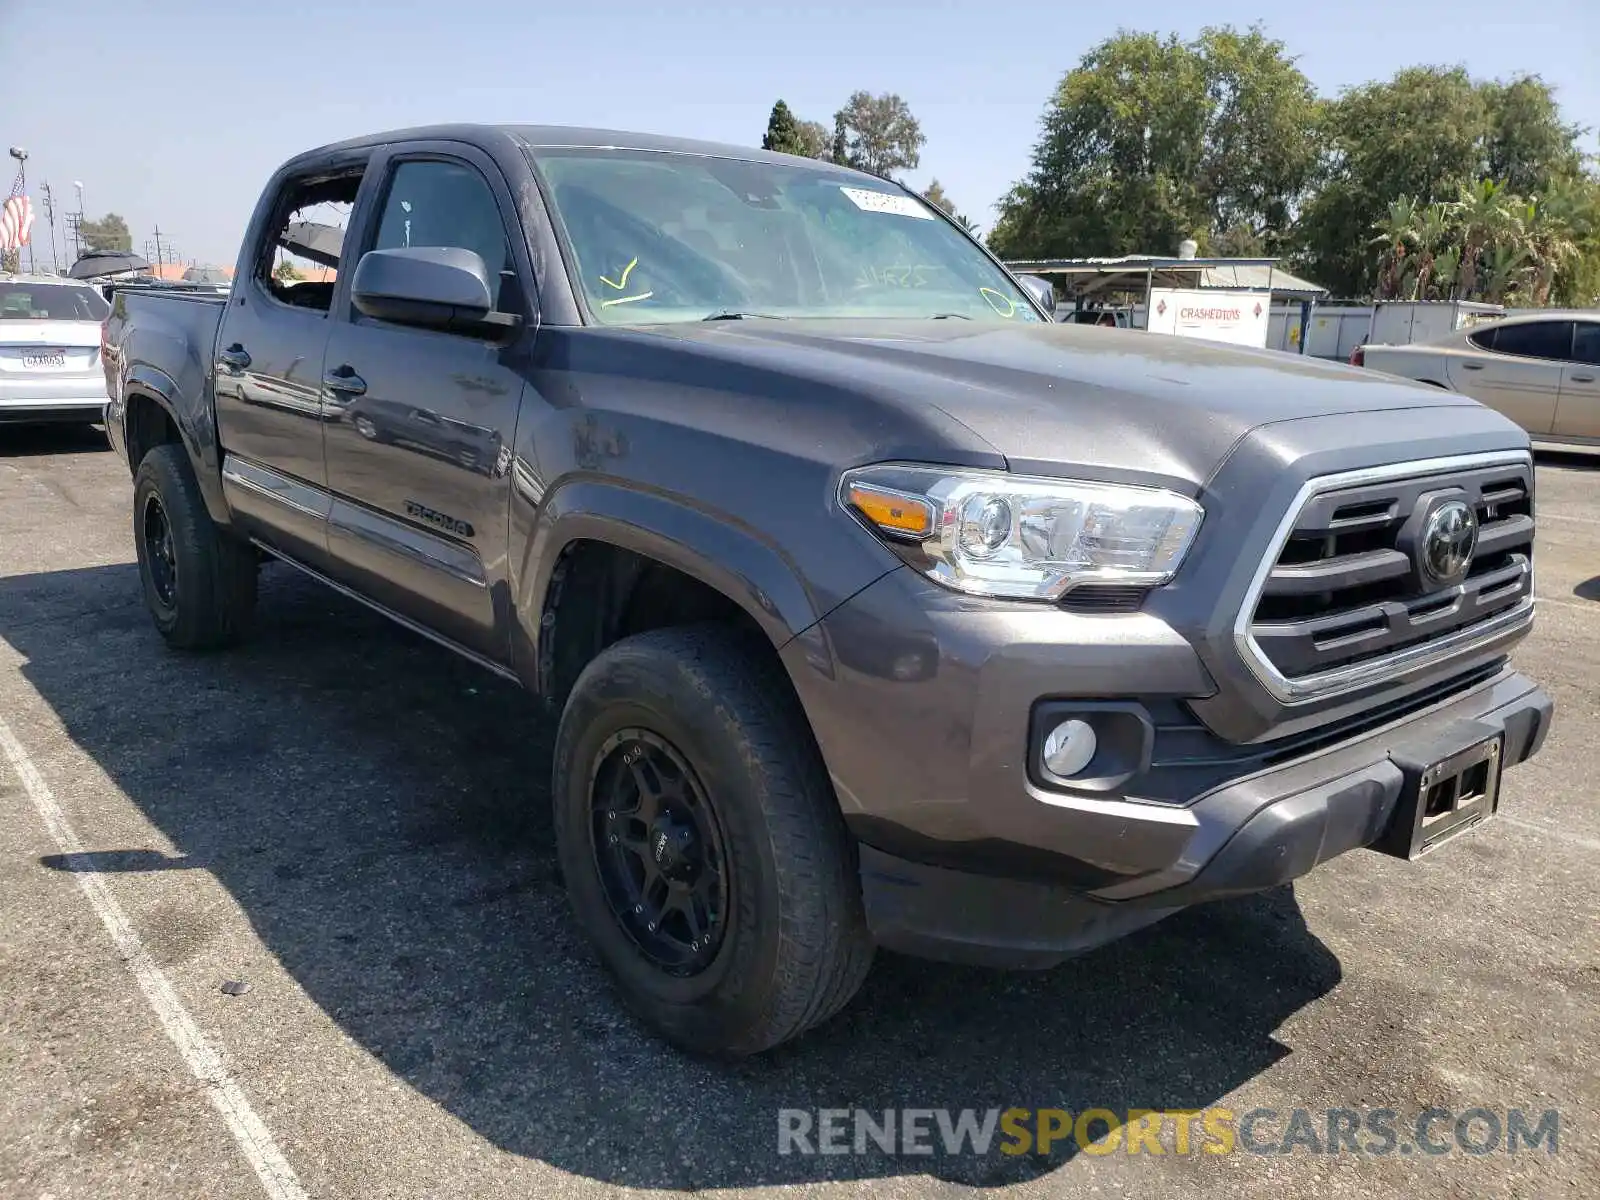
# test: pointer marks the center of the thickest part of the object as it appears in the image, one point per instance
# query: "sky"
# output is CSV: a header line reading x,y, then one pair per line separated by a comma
x,y
174,112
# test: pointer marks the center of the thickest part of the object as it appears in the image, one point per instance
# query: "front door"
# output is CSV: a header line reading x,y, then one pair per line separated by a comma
x,y
421,423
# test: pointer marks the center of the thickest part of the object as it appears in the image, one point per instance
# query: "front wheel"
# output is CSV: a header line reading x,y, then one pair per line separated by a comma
x,y
703,851
199,583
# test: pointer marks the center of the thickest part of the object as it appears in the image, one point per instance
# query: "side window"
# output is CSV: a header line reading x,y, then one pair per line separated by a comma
x,y
300,262
1586,343
1483,339
434,203
1536,339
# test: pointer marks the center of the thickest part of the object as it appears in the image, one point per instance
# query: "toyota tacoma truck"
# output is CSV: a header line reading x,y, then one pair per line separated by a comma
x,y
879,610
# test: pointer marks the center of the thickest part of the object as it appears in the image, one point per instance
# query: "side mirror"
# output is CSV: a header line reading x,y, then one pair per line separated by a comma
x,y
435,287
1042,290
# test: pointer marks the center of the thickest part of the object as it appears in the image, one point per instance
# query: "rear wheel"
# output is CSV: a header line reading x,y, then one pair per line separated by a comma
x,y
702,848
199,583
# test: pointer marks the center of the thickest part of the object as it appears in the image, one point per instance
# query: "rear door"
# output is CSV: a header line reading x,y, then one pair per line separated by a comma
x,y
418,450
269,352
1578,410
1515,369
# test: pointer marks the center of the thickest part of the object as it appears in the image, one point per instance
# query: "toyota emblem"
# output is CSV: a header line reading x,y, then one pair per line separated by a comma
x,y
1449,536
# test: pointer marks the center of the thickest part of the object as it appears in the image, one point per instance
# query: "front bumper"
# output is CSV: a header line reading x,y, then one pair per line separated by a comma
x,y
1256,833
923,706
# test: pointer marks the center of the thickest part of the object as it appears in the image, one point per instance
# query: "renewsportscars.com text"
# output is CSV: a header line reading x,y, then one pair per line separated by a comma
x,y
1044,1131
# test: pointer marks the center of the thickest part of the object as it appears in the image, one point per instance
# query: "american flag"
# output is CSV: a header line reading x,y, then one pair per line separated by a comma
x,y
16,222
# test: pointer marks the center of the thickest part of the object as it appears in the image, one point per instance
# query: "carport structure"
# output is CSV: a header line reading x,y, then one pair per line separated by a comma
x,y
1134,276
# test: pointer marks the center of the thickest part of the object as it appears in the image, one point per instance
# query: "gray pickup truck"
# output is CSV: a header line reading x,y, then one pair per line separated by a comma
x,y
878,609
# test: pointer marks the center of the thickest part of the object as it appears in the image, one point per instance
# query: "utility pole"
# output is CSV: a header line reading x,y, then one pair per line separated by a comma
x,y
158,249
78,228
50,218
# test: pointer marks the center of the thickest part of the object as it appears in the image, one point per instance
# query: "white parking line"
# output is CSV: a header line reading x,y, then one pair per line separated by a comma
x,y
255,1140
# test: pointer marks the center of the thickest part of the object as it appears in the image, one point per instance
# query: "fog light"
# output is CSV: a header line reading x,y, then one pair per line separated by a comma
x,y
1069,747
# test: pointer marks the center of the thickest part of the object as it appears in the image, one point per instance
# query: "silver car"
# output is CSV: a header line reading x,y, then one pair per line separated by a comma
x,y
50,366
1540,369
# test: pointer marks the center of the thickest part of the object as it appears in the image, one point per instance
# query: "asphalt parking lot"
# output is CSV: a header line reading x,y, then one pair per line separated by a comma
x,y
353,823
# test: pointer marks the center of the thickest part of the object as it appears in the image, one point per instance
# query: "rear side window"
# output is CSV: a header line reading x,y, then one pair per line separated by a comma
x,y
300,263
1586,342
50,302
1483,339
1536,339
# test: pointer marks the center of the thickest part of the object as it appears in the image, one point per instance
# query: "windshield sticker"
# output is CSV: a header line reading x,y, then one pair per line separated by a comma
x,y
996,299
885,202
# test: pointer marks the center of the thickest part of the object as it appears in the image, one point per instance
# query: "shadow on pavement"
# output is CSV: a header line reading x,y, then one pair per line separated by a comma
x,y
378,809
34,441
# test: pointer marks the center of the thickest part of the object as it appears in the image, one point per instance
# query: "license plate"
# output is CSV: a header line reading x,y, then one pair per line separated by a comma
x,y
1445,798
43,359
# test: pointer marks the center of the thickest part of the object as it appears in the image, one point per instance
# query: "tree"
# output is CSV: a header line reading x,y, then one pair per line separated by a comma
x,y
1527,144
1396,234
783,131
877,134
286,272
815,141
1483,213
1575,205
110,232
934,194
787,134
1150,140
1430,133
11,260
1419,134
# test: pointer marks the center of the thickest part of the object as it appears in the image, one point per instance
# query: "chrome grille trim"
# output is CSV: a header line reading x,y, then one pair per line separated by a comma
x,y
1339,680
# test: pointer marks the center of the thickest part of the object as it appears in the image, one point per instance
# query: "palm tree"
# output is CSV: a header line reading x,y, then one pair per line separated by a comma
x,y
1482,216
1504,268
1393,233
1549,243
1447,272
1430,229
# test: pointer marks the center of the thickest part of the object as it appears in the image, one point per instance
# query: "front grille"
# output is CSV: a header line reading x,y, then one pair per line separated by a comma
x,y
1345,589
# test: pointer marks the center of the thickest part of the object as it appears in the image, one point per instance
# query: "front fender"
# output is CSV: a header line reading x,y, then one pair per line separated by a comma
x,y
713,548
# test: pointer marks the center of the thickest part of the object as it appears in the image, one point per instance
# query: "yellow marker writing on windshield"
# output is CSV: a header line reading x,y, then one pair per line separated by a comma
x,y
619,284
625,299
995,299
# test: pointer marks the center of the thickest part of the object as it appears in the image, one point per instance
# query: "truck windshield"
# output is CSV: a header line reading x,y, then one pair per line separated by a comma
x,y
663,237
50,302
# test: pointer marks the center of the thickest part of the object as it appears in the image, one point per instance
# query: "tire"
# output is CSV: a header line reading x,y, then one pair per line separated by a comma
x,y
793,947
199,583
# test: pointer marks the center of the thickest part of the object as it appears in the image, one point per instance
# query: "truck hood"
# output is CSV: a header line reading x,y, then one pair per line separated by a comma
x,y
1114,402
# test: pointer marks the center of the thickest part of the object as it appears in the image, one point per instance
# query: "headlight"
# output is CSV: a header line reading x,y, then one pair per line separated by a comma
x,y
995,534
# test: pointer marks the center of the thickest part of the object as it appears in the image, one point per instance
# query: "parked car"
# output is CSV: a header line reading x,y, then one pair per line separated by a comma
x,y
878,609
1541,369
50,367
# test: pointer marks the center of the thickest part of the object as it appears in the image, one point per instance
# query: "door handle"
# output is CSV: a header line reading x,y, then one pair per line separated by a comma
x,y
344,380
235,357
1581,378
1471,366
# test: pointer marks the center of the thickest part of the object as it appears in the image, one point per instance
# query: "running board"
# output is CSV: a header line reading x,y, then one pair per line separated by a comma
x,y
471,656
